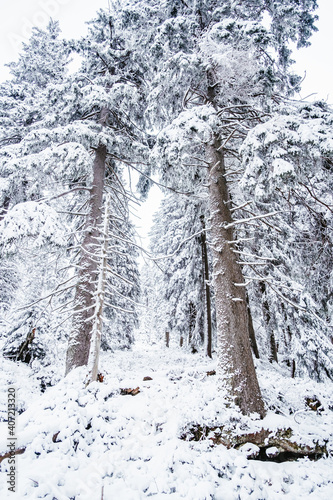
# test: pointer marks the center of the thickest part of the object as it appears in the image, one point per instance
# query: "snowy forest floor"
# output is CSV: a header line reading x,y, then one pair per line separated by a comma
x,y
93,443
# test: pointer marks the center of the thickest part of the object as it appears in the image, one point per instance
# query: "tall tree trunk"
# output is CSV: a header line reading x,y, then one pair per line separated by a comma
x,y
207,288
267,318
235,358
95,344
85,293
253,340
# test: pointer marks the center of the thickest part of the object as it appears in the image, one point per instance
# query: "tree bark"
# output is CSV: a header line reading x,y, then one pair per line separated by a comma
x,y
235,363
84,301
267,318
253,340
207,288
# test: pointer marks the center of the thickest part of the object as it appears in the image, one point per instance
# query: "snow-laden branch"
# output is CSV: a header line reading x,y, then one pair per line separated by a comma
x,y
111,271
249,219
128,299
241,263
315,197
226,140
50,295
122,160
180,245
118,308
81,188
280,294
239,240
241,206
253,256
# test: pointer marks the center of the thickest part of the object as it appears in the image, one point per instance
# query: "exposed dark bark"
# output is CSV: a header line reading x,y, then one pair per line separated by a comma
x,y
79,342
293,368
191,324
235,358
207,288
24,353
10,454
287,449
253,340
4,208
267,319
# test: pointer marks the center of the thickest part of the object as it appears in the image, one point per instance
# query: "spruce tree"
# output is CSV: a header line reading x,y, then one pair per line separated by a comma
x,y
112,103
178,246
226,69
288,169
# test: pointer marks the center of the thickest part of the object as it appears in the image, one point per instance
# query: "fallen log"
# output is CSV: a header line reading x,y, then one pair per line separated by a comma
x,y
287,448
131,392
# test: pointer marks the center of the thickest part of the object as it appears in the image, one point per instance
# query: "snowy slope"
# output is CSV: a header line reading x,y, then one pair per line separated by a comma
x,y
123,447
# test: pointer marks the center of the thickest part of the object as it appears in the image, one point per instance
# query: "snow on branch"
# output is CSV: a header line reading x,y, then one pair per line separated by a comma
x,y
118,308
249,219
180,245
65,193
122,160
114,289
241,206
253,256
111,271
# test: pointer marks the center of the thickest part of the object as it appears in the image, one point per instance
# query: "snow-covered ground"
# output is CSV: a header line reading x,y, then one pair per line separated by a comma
x,y
123,447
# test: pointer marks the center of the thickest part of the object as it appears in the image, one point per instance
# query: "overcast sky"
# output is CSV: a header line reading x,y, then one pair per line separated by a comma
x,y
18,16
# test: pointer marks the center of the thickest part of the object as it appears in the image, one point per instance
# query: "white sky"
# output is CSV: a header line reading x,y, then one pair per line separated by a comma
x,y
18,16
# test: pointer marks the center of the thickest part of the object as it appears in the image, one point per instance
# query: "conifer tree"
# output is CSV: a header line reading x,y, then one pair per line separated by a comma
x,y
288,169
180,256
69,118
31,230
226,69
113,95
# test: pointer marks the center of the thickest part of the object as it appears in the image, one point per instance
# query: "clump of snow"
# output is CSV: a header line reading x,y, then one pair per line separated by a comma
x,y
250,450
281,167
34,220
273,451
81,441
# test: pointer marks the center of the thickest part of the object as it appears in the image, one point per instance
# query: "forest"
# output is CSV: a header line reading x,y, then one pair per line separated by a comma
x,y
200,367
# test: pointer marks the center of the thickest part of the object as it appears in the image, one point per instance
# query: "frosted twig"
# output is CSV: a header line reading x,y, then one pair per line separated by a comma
x,y
108,304
226,141
241,206
123,296
83,188
251,263
150,178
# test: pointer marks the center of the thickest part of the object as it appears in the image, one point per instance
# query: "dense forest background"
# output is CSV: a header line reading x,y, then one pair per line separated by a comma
x,y
197,98
155,85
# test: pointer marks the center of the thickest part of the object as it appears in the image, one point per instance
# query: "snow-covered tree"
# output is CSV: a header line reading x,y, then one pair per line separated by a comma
x,y
225,64
178,245
123,287
61,149
112,95
153,317
288,169
31,229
